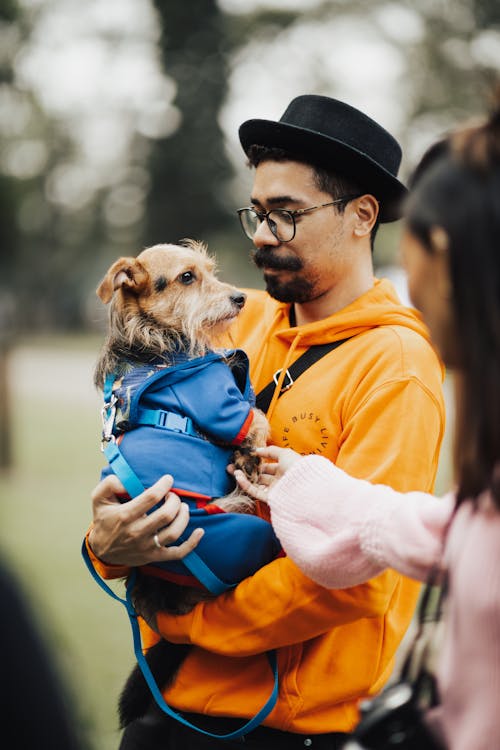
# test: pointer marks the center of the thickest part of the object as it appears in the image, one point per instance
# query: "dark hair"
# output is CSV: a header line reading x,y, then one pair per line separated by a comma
x,y
457,187
329,182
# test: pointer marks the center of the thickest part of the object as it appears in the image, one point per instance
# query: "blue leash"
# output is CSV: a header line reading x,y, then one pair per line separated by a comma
x,y
148,675
192,561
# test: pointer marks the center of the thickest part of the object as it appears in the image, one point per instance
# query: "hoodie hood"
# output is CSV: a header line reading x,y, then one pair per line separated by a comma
x,y
272,344
379,306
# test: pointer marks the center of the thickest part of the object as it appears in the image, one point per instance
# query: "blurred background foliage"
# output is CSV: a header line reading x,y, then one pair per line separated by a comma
x,y
118,129
118,120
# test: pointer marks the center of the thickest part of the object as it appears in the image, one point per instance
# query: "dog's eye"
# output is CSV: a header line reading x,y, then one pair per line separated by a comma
x,y
187,277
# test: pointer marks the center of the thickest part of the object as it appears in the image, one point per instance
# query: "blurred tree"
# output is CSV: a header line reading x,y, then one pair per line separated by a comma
x,y
448,79
486,13
41,240
190,169
451,75
56,237
9,235
9,246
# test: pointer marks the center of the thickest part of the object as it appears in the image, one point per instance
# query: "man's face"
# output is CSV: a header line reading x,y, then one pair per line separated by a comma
x,y
308,266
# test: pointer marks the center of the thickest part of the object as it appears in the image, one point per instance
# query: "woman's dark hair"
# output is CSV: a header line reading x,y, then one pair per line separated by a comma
x,y
457,187
329,182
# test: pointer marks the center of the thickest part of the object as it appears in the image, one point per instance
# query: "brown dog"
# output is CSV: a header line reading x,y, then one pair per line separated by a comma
x,y
166,299
167,303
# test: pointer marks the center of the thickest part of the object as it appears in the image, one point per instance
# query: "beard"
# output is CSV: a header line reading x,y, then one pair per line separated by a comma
x,y
292,290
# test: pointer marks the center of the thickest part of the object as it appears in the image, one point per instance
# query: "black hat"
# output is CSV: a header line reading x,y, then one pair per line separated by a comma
x,y
331,134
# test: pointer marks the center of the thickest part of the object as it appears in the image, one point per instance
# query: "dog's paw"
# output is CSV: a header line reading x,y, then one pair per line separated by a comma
x,y
249,463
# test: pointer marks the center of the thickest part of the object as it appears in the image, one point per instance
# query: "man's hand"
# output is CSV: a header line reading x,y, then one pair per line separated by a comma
x,y
123,533
282,459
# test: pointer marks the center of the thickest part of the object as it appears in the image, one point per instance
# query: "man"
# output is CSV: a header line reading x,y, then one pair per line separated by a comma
x,y
325,176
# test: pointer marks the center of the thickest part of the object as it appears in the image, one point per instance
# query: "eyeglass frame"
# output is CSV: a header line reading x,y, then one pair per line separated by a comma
x,y
292,212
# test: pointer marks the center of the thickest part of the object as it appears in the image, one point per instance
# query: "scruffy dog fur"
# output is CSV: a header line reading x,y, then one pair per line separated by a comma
x,y
165,300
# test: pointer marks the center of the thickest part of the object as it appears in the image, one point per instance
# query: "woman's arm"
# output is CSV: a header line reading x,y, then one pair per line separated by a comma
x,y
341,531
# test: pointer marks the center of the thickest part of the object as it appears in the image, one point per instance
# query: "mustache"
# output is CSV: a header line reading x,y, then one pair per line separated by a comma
x,y
264,258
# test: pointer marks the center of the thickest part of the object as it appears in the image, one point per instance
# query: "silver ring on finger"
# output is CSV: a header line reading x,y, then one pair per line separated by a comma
x,y
156,540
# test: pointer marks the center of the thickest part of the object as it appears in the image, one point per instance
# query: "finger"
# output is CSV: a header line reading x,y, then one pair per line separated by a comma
x,y
270,469
266,480
169,532
108,490
254,490
271,452
165,513
242,480
178,552
139,506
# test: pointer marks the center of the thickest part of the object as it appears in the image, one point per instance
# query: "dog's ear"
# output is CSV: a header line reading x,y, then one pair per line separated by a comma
x,y
128,273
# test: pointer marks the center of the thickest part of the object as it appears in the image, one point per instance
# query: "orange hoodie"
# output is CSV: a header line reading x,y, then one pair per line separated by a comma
x,y
373,406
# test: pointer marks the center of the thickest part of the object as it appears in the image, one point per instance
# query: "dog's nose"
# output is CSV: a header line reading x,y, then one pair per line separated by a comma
x,y
238,299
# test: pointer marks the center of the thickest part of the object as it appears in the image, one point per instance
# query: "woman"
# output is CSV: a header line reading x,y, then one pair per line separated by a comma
x,y
342,531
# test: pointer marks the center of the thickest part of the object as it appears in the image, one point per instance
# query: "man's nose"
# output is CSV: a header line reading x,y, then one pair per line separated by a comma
x,y
263,236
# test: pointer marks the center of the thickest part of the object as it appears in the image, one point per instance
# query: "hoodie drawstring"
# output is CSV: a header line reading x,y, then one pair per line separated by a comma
x,y
282,375
260,355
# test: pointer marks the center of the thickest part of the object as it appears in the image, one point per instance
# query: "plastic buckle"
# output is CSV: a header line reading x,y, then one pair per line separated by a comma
x,y
108,413
169,420
286,383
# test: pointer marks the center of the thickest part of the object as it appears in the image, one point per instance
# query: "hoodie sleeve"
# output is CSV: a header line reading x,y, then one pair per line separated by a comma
x,y
276,607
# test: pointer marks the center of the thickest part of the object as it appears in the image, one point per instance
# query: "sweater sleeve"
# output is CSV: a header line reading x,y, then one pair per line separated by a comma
x,y
341,531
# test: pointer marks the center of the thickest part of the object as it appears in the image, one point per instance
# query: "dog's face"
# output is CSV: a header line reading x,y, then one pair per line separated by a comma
x,y
173,287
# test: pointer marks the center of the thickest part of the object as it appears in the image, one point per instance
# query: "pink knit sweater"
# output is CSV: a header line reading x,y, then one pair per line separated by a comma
x,y
342,531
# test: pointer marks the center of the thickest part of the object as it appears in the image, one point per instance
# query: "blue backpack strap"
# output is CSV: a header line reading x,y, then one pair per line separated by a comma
x,y
107,390
254,722
123,470
200,570
134,487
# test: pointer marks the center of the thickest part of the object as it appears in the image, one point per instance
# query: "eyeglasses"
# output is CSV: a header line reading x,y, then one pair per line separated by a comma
x,y
281,221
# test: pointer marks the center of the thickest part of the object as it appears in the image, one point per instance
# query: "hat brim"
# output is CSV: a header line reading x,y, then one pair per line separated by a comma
x,y
330,153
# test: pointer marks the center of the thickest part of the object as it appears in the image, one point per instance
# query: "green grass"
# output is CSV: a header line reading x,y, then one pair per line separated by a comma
x,y
44,512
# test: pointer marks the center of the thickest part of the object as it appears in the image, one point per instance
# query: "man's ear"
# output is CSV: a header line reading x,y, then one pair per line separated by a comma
x,y
125,273
366,208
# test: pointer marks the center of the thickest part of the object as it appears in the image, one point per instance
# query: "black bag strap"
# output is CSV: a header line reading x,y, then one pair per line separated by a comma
x,y
414,669
310,356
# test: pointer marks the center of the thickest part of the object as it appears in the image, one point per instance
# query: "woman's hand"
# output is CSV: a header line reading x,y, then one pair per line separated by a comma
x,y
281,460
124,533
